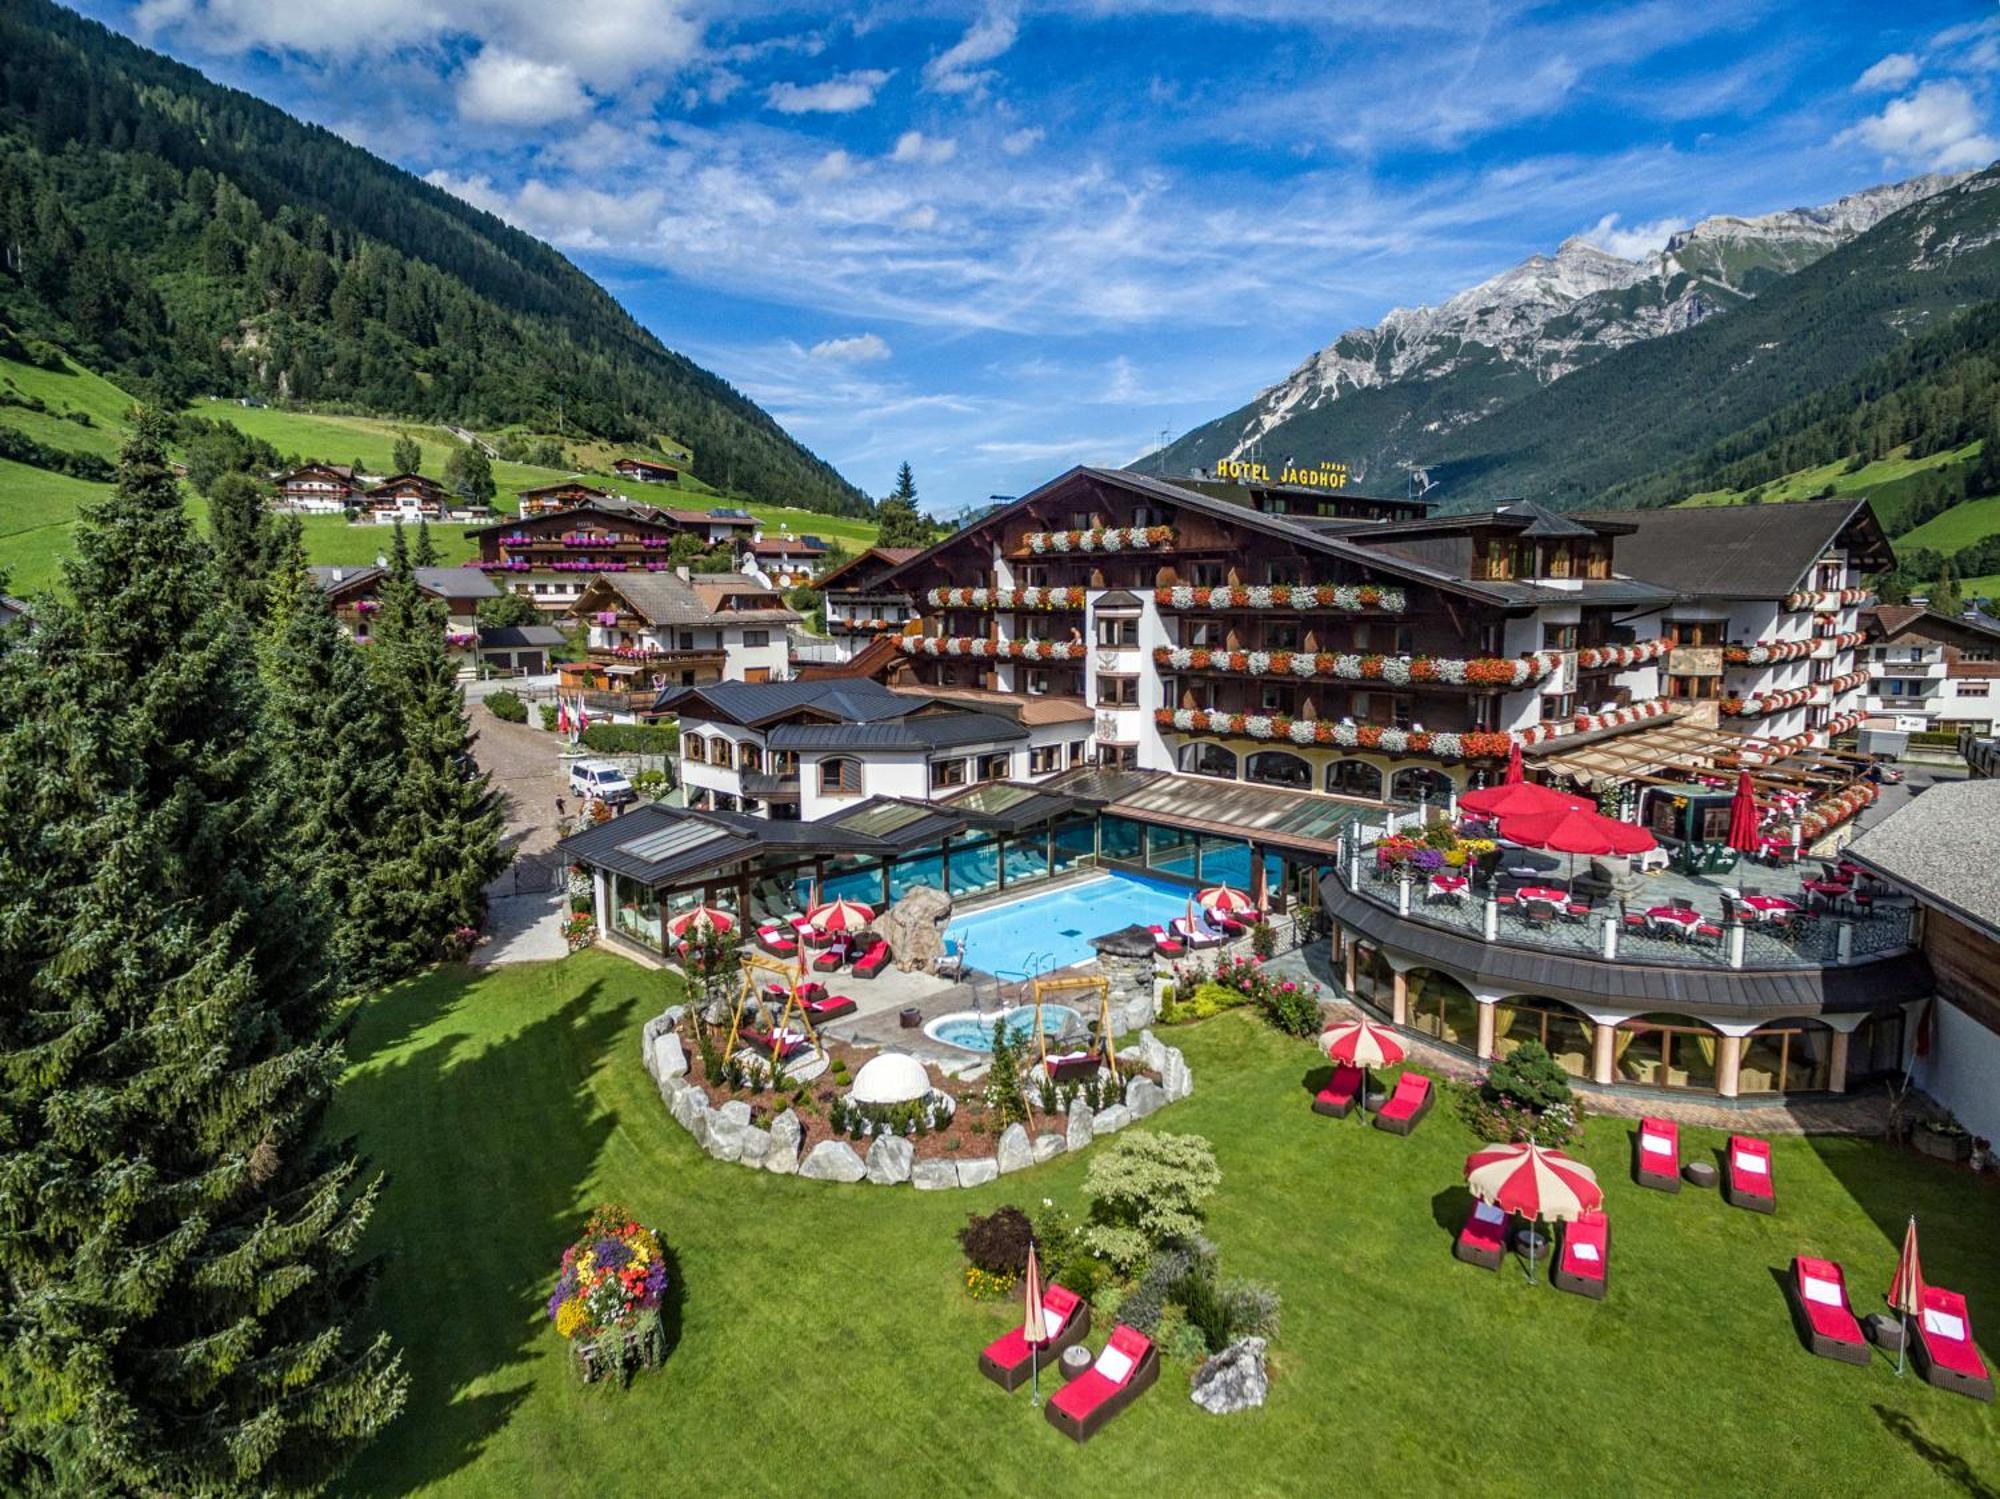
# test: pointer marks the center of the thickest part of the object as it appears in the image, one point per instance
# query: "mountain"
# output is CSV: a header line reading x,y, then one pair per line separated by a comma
x,y
1380,399
182,237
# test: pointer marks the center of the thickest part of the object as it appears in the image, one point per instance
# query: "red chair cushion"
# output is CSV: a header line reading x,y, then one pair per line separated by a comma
x,y
1827,1319
1409,1095
1594,1230
1752,1183
1956,1354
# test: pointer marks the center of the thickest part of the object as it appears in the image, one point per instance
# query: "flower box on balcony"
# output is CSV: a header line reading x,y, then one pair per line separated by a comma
x,y
1101,539
1347,597
1395,671
1006,598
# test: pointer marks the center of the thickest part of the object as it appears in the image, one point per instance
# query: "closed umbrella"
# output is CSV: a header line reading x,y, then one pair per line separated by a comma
x,y
1363,1044
701,918
1906,1289
1513,777
1034,1326
1538,1183
1743,816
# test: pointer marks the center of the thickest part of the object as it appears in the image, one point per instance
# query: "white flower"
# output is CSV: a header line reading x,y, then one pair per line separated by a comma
x,y
1346,664
1451,670
1257,726
1305,663
1448,745
1302,731
1396,670
1260,597
1183,597
1137,538
1180,658
1257,663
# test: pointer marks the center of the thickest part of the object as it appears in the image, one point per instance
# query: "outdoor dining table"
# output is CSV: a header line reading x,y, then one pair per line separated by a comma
x,y
1681,921
1545,893
1452,885
1763,907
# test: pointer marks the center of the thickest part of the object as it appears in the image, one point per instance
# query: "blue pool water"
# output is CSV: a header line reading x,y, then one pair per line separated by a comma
x,y
1053,930
975,1032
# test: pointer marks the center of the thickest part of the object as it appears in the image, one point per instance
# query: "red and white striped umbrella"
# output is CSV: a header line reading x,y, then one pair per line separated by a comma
x,y
1906,1288
707,918
1362,1043
1223,900
839,916
1535,1182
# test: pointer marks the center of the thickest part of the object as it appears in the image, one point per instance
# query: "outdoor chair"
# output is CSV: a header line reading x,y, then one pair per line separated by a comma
x,y
873,961
950,962
1009,1362
1407,1106
1747,1183
1124,1371
1184,930
1825,1320
1162,943
1337,1098
829,961
1583,1264
1656,1155
773,940
1707,934
1483,1240
824,1008
1944,1353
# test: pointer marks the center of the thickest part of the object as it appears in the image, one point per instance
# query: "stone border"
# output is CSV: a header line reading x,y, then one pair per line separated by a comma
x,y
727,1134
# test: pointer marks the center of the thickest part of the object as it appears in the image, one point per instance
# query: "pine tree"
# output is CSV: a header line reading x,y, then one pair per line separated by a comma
x,y
426,553
407,457
178,1271
898,521
1945,597
906,486
468,475
244,540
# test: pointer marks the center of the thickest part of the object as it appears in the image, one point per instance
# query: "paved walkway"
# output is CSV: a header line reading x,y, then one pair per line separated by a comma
x,y
523,929
525,905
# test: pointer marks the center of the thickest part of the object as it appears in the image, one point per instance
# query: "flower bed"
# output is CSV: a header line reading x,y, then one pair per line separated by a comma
x,y
862,626
979,647
1006,598
1844,598
1101,539
1765,704
1830,812
1592,657
1351,597
1587,723
1479,671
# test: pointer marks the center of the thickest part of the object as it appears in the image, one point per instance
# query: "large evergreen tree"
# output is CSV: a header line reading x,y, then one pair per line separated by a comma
x,y
425,553
245,541
900,523
177,1260
406,455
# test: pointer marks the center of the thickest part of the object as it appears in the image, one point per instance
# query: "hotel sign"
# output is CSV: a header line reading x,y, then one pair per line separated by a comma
x,y
1326,475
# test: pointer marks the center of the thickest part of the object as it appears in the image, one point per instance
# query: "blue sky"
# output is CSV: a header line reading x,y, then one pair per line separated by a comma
x,y
998,239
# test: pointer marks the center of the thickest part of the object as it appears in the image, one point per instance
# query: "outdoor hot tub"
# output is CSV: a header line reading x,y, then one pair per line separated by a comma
x,y
969,1030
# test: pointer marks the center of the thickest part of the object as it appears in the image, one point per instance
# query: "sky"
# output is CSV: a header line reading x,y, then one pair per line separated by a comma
x,y
998,239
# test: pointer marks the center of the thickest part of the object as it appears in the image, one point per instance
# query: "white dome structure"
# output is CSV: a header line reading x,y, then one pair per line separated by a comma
x,y
890,1078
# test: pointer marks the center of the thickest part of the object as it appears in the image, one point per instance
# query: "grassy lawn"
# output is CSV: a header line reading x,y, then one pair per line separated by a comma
x,y
1881,478
1960,526
72,389
37,510
824,1345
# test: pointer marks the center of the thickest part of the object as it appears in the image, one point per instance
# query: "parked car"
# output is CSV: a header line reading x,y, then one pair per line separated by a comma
x,y
602,780
1885,775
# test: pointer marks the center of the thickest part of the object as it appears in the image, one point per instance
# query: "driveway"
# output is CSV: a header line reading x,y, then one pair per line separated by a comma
x,y
525,904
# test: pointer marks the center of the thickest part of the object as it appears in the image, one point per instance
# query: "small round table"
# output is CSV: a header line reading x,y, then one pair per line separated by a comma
x,y
1699,1173
1532,1241
1073,1361
1884,1330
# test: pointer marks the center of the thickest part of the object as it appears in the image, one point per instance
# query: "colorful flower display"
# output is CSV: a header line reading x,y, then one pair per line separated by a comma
x,y
1593,657
1353,597
610,1278
1471,745
1766,652
1006,598
1763,704
1586,723
1826,602
1102,539
862,626
1397,671
978,647
1830,812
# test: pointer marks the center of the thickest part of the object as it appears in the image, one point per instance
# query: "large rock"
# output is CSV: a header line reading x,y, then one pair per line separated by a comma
x,y
1175,1078
933,1176
736,1111
889,1160
1016,1152
669,1059
725,1129
1144,1097
756,1147
914,927
1234,1379
1048,1147
1082,1129
652,1030
978,1171
786,1132
1152,1051
833,1161
1112,1119
687,1103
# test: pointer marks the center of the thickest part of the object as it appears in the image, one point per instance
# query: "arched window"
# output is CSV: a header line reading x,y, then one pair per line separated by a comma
x,y
749,757
1563,1033
720,752
1420,783
840,776
1354,778
1208,760
1787,1056
1277,768
1665,1051
694,749
1440,1006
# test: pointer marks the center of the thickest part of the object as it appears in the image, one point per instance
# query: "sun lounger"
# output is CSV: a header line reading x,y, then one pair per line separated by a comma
x,y
1656,1155
1123,1372
1583,1265
1338,1097
873,961
829,961
1747,1182
763,1042
1009,1362
1825,1320
824,1008
1483,1240
1407,1106
775,941
1193,936
1943,1352
1164,943
1074,1066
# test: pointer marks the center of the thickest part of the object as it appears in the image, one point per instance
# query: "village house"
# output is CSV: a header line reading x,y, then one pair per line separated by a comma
x,y
551,556
356,595
859,609
646,471
408,498
653,630
565,494
1931,672
319,488
784,561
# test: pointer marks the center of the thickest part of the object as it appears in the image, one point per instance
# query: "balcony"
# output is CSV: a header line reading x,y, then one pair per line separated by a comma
x,y
1285,598
1493,673
1695,661
980,648
769,784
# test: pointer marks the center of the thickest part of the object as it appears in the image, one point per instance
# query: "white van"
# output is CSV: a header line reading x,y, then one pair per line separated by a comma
x,y
602,780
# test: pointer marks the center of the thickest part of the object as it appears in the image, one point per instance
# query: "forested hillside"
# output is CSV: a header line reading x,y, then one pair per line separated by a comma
x,y
187,238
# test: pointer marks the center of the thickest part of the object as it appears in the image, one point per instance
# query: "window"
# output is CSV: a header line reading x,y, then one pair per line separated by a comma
x,y
1277,768
1208,575
1280,637
1117,692
1699,631
840,776
1208,760
1276,700
1694,687
1793,1056
1148,515
1080,520
1558,706
1206,634
721,753
1038,684
1558,637
1974,689
1566,1035
946,774
1078,748
750,758
1113,633
996,767
1442,1007
694,749
1665,1052
687,640
1354,778
756,637
1044,759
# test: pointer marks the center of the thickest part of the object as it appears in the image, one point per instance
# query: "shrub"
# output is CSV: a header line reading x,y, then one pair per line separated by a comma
x,y
1263,937
1005,1095
651,784
1147,1189
1213,999
550,715
507,707
1292,1009
1529,1077
632,739
997,1243
1251,1309
988,1285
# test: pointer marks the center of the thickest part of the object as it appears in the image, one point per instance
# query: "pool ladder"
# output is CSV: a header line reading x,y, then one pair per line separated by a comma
x,y
1037,964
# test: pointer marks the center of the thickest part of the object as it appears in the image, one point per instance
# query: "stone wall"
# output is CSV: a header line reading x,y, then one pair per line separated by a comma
x,y
1127,959
726,1132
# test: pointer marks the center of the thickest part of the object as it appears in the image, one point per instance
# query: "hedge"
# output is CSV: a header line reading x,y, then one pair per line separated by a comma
x,y
508,707
632,739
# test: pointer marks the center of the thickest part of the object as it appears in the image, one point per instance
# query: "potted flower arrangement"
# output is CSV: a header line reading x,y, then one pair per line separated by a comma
x,y
607,1296
1942,1138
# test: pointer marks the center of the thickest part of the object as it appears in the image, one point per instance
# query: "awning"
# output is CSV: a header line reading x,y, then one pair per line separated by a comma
x,y
1304,822
1660,749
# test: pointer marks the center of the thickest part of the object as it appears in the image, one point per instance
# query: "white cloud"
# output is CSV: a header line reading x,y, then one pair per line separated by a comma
x,y
860,348
1938,126
1632,241
1020,142
841,94
833,166
956,69
1078,448
923,216
915,146
499,88
1892,72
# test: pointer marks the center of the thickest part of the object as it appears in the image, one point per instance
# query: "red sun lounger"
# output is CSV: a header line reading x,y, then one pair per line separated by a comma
x,y
1008,1361
828,961
1407,1106
1943,1351
1483,1240
1656,1155
873,961
1074,1066
1747,1182
1584,1264
1164,943
763,1041
1123,1372
1826,1322
1338,1097
828,1009
774,941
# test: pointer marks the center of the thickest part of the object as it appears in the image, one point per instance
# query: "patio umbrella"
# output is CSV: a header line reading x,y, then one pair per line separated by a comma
x,y
1513,777
1743,816
1034,1326
1533,1181
1221,900
839,915
1576,832
708,918
1363,1044
1906,1289
1521,798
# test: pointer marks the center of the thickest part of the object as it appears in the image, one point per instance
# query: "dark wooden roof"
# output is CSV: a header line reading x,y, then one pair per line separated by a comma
x,y
1743,551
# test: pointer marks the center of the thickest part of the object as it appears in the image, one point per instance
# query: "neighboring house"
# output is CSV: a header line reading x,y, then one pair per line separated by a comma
x,y
646,471
807,750
13,609
784,561
551,555
356,593
565,495
519,650
319,488
408,498
1943,849
858,606
716,527
1929,671
649,631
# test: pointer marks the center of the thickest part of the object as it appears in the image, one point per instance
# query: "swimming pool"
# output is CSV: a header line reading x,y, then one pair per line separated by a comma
x,y
974,1032
1053,929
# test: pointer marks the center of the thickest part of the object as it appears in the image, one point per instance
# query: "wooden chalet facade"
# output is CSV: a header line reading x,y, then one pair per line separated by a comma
x,y
319,488
646,471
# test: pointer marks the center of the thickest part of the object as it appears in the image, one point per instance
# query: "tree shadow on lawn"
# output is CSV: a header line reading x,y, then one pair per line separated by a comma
x,y
1449,1210
1940,1460
486,1141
